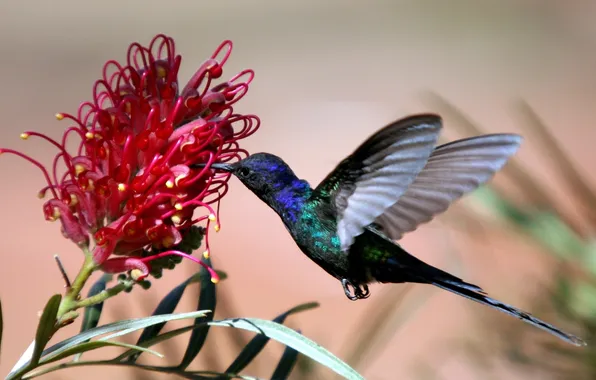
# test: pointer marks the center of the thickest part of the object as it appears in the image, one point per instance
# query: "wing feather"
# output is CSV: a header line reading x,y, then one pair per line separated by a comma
x,y
452,171
374,177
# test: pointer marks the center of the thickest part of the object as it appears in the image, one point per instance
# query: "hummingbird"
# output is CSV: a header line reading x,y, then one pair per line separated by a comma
x,y
395,181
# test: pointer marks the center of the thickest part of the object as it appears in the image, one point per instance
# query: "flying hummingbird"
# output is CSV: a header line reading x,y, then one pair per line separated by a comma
x,y
395,181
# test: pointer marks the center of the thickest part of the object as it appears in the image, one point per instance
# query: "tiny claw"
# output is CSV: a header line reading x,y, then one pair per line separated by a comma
x,y
366,293
358,292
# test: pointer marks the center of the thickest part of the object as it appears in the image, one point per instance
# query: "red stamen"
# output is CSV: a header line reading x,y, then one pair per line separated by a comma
x,y
36,163
212,273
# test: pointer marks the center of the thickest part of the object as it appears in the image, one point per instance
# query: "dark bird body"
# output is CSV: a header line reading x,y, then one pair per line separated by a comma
x,y
395,181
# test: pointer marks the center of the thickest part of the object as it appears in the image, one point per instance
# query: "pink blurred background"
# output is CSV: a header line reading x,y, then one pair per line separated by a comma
x,y
328,74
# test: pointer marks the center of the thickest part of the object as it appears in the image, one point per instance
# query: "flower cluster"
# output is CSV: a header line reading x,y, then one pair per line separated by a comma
x,y
130,186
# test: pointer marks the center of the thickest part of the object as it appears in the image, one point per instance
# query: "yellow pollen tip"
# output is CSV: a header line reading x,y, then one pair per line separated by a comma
x,y
206,254
214,280
178,206
176,219
79,169
121,187
178,178
41,195
212,217
24,136
59,116
168,242
89,135
136,273
217,228
169,184
73,200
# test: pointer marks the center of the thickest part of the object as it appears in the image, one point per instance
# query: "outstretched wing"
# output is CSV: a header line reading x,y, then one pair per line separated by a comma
x,y
452,170
373,178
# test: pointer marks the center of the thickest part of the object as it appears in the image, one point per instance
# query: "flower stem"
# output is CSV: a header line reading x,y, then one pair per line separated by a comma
x,y
71,302
70,299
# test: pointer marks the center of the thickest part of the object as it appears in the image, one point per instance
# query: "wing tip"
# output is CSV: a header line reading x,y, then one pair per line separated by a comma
x,y
423,118
577,341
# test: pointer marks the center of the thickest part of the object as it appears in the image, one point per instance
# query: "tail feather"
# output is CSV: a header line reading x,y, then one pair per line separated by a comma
x,y
465,291
403,267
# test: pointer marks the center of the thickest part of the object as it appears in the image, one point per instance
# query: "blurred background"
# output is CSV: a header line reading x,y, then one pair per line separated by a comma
x,y
328,74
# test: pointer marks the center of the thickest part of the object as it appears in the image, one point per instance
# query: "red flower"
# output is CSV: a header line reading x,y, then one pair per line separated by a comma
x,y
130,186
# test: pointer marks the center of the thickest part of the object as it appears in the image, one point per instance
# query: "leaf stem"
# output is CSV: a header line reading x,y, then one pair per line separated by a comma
x,y
104,294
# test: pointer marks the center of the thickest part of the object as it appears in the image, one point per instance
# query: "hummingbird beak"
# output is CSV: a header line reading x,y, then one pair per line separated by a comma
x,y
218,166
224,167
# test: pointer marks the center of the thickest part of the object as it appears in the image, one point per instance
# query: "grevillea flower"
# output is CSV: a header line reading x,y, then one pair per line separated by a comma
x,y
129,187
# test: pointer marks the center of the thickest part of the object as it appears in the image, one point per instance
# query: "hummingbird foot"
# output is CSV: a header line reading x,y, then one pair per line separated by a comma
x,y
359,291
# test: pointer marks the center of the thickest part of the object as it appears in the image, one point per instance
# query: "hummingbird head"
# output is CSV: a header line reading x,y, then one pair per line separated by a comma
x,y
263,173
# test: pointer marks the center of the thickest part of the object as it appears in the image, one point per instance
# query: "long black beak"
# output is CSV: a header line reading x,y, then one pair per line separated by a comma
x,y
218,166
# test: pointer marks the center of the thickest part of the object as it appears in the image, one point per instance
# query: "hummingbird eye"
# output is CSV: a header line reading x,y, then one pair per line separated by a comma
x,y
243,172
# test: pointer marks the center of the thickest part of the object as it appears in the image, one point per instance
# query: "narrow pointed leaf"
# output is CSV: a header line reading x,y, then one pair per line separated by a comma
x,y
129,325
89,346
197,375
155,340
286,364
255,346
92,313
46,327
1,327
167,305
207,301
292,339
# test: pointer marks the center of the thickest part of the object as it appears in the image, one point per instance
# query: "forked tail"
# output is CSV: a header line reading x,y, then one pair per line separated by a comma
x,y
464,290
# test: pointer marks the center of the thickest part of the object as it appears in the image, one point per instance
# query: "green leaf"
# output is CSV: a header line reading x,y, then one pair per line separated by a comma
x,y
207,301
89,346
93,312
551,232
502,207
1,327
292,339
286,363
126,326
257,343
589,257
155,340
583,300
196,375
166,305
46,327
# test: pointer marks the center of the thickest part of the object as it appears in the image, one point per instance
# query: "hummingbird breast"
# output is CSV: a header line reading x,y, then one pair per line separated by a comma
x,y
315,232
